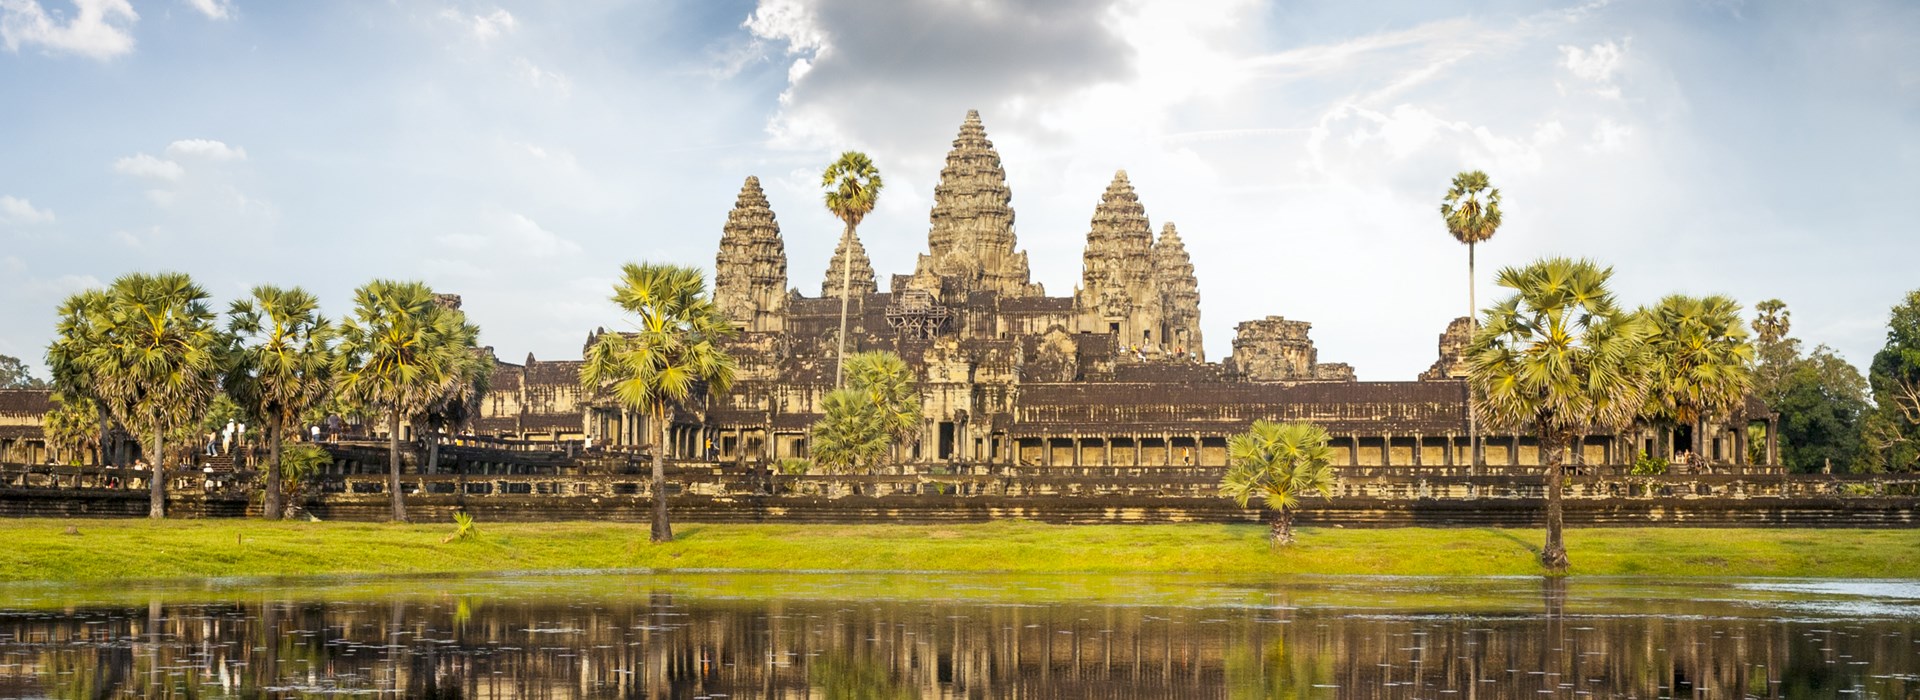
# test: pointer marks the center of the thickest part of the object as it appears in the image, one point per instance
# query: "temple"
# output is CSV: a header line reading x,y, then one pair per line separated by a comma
x,y
1113,374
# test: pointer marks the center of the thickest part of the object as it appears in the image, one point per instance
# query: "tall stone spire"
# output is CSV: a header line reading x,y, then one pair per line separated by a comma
x,y
1117,291
750,273
972,239
862,281
1179,291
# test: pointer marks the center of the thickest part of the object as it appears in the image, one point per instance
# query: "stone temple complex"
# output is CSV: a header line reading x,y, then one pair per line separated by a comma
x,y
1113,374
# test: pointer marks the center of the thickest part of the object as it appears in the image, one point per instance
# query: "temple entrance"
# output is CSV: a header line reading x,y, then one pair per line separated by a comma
x,y
946,441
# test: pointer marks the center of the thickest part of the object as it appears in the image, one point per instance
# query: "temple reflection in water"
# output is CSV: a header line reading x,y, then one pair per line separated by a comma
x,y
675,644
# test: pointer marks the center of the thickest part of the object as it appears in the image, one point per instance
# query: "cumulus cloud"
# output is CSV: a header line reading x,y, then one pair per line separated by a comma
x,y
485,27
213,9
14,210
1596,64
148,167
98,29
205,148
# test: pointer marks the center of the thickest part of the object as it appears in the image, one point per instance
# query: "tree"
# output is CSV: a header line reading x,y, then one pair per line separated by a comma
x,y
1280,463
15,374
399,353
150,353
71,427
1471,209
1822,402
673,352
1560,358
1894,428
81,332
1821,399
877,412
1700,362
853,188
852,434
888,383
283,366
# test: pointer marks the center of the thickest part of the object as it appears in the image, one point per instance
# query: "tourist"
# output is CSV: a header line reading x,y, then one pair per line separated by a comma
x,y
314,431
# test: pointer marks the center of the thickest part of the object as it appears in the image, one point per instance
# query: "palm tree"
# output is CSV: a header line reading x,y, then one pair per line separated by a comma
x,y
1701,362
1472,212
283,367
888,383
1280,463
853,188
853,435
674,350
398,354
71,427
81,330
159,362
1561,358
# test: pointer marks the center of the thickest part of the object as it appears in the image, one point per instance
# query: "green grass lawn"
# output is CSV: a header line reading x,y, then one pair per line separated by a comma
x,y
39,549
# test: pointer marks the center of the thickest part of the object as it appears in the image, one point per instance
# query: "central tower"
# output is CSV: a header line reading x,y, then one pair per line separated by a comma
x,y
971,245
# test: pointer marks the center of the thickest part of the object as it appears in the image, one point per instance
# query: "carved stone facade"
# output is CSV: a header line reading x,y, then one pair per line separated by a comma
x,y
1009,376
1274,349
1453,347
750,273
1180,288
1118,293
861,283
971,246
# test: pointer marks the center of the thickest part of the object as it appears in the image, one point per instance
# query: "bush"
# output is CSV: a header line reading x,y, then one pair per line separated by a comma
x,y
1646,465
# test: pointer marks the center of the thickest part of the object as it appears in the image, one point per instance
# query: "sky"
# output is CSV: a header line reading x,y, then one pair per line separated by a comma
x,y
518,153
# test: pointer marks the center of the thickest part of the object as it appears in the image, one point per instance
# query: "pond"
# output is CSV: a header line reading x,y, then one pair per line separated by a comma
x,y
832,635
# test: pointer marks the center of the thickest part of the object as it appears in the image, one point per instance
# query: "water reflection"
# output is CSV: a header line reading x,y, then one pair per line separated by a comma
x,y
837,636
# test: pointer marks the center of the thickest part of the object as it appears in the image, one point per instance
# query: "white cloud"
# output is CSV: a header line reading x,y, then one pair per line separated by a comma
x,y
485,27
14,210
1609,136
512,235
98,29
146,166
205,148
1596,64
213,9
542,79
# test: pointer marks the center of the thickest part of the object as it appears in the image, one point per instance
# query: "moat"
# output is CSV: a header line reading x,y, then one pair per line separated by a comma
x,y
899,636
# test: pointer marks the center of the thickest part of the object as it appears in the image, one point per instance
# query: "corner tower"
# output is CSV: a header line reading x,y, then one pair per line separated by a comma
x,y
1118,293
750,273
1180,292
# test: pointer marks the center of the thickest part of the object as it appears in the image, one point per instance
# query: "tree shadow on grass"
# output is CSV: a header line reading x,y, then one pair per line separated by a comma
x,y
683,532
1505,535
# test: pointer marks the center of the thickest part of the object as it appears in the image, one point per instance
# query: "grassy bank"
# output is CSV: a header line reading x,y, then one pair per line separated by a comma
x,y
40,550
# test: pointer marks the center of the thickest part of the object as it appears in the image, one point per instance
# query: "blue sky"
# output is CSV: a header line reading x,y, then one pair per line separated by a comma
x,y
516,153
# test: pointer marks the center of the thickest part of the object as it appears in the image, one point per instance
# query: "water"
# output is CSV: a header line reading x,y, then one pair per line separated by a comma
x,y
829,635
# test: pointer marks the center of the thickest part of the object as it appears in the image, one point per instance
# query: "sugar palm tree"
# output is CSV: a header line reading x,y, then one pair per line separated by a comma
x,y
80,331
1560,358
1472,212
1280,463
283,367
1700,360
159,362
853,188
852,435
71,427
888,383
673,351
398,354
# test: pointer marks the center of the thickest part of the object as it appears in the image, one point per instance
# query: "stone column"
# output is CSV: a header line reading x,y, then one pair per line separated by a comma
x,y
1419,447
1386,448
1773,441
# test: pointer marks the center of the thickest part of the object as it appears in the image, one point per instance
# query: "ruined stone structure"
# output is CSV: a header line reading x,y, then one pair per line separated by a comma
x,y
1453,349
1113,375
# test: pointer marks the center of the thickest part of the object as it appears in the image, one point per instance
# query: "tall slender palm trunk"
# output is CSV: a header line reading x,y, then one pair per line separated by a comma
x,y
1553,555
662,530
1473,416
393,467
846,290
157,481
271,508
